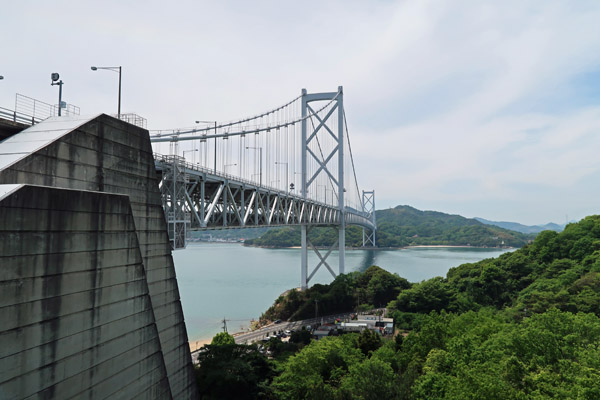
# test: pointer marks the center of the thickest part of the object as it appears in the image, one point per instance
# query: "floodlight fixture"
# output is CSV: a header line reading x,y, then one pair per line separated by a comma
x,y
55,81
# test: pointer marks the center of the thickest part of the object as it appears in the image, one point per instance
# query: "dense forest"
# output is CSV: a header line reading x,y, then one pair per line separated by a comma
x,y
406,226
522,326
373,288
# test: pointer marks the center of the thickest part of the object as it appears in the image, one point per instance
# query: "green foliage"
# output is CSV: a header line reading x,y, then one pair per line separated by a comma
x,y
522,326
222,338
368,341
372,379
433,294
374,287
231,371
301,337
483,355
317,370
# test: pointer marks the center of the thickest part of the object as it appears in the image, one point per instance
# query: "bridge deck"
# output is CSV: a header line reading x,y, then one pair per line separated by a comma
x,y
197,198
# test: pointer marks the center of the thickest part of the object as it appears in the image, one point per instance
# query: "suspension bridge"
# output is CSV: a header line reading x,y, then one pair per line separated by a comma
x,y
291,165
83,232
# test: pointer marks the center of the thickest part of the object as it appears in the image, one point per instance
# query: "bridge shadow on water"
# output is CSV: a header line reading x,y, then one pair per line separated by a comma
x,y
369,257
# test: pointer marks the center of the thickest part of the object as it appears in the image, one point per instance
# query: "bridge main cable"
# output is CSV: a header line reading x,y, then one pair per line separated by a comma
x,y
174,136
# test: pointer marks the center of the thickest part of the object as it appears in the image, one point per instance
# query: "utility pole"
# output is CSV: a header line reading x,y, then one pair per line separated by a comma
x,y
224,325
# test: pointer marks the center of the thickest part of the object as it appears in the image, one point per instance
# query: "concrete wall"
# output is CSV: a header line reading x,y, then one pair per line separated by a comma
x,y
108,155
77,320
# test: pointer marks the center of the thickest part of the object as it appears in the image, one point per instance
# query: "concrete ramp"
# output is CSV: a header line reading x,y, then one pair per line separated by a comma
x,y
103,154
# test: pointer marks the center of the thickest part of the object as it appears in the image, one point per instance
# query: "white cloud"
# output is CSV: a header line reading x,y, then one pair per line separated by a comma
x,y
447,102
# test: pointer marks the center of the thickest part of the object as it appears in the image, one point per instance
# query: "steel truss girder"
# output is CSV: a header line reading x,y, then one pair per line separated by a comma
x,y
203,200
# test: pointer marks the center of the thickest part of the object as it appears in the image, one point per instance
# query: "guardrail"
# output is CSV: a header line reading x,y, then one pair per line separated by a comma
x,y
22,118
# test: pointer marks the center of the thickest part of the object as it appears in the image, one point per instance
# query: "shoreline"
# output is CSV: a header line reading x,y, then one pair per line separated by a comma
x,y
197,342
417,246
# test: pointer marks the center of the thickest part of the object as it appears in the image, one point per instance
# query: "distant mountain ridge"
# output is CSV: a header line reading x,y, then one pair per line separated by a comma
x,y
407,226
528,229
404,226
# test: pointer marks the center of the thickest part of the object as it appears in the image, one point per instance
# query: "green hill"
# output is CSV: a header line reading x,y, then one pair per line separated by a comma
x,y
525,325
406,226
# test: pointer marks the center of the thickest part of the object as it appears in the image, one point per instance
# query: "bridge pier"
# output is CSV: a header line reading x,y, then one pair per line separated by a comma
x,y
303,259
342,246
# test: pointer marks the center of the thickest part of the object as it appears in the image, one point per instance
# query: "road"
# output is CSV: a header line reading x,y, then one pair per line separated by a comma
x,y
254,336
259,334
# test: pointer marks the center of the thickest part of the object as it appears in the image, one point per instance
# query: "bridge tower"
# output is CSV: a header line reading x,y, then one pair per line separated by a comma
x,y
324,168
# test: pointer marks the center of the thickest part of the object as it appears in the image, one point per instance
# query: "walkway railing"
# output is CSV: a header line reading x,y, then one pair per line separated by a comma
x,y
22,118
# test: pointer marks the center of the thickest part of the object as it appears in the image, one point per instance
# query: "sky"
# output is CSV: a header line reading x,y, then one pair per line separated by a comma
x,y
479,108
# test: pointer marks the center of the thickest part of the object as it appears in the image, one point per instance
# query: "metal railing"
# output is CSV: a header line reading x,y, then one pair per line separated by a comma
x,y
41,110
19,117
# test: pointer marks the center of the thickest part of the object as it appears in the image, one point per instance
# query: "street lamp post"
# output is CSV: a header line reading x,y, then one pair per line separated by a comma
x,y
188,151
325,190
286,173
260,156
228,165
118,70
215,122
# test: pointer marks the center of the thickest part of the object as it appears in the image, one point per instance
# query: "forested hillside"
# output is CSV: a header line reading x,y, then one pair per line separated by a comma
x,y
522,326
406,226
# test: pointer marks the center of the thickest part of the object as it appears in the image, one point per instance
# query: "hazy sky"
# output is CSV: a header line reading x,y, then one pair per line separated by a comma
x,y
478,108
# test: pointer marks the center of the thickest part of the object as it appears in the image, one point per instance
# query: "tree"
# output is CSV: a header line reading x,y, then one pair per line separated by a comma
x,y
222,338
301,336
372,379
317,369
434,294
232,371
369,341
384,287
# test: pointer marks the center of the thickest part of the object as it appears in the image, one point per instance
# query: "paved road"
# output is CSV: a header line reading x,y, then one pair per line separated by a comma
x,y
257,335
254,336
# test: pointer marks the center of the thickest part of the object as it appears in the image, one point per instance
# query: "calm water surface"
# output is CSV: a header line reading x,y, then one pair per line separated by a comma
x,y
226,280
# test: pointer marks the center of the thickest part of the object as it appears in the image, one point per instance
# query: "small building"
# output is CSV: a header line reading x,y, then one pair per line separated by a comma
x,y
376,323
324,330
389,328
353,326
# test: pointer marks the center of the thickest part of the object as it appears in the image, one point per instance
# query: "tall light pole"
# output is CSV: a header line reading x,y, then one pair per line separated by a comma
x,y
118,70
55,81
260,156
215,122
286,173
188,151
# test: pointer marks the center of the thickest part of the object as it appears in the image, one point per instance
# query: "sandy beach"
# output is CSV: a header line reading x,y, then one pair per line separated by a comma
x,y
196,344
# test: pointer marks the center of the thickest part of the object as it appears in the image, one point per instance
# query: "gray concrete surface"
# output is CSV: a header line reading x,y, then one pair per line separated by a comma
x,y
83,328
107,155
